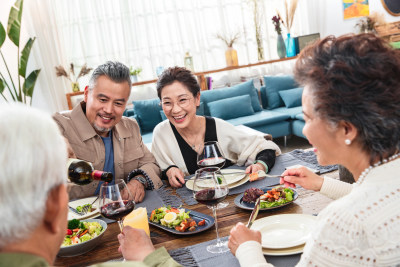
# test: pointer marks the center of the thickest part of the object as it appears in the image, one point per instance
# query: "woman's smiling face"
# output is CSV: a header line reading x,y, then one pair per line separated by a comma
x,y
179,104
321,135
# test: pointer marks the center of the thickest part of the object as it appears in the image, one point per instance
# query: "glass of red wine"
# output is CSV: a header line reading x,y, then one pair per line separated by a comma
x,y
116,201
210,188
212,156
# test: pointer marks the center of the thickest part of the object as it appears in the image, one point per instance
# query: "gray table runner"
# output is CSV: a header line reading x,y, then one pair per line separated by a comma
x,y
197,255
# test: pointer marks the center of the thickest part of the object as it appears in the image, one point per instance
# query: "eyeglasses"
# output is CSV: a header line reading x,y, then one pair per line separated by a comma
x,y
183,103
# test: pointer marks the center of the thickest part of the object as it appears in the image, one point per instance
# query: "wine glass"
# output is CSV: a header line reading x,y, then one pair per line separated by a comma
x,y
212,156
115,201
210,188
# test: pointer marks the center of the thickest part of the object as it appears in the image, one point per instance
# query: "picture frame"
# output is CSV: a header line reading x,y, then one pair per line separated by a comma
x,y
392,7
74,99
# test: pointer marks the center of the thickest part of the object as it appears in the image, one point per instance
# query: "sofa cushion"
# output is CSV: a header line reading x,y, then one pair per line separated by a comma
x,y
291,97
292,112
300,116
148,113
270,92
260,118
232,107
199,111
246,88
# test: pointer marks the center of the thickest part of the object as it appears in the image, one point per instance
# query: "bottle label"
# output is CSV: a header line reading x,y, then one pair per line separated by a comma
x,y
97,175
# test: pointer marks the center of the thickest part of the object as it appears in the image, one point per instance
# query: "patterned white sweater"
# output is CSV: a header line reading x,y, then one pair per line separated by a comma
x,y
361,228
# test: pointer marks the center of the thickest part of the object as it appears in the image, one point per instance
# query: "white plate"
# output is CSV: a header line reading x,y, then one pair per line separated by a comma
x,y
81,202
283,251
189,183
233,177
284,231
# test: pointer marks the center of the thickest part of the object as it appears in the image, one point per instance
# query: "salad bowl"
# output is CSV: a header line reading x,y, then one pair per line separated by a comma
x,y
82,248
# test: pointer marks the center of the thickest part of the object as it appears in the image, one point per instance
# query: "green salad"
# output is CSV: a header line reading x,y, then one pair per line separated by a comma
x,y
79,232
276,197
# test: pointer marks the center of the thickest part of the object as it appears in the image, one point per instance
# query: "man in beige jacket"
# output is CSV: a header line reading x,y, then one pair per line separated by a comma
x,y
97,132
34,198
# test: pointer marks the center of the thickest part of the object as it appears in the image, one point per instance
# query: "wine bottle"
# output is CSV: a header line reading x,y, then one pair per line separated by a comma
x,y
82,172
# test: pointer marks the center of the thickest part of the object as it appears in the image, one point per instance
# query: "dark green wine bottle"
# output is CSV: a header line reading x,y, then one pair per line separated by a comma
x,y
82,172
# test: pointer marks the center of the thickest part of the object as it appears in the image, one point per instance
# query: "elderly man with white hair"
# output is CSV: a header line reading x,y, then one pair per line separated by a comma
x,y
34,198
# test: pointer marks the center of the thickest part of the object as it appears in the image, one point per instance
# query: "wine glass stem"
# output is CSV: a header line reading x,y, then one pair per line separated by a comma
x,y
214,208
121,224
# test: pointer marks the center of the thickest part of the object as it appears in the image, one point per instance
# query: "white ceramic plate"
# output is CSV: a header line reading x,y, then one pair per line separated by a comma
x,y
234,176
80,202
283,251
285,230
245,179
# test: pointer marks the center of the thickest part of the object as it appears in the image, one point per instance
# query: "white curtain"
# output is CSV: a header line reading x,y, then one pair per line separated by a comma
x,y
152,33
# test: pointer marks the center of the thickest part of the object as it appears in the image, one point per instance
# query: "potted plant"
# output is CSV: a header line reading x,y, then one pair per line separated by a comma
x,y
61,72
230,53
25,84
280,45
288,22
134,73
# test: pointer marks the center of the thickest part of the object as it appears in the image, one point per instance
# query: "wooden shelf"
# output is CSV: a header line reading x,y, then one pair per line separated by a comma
x,y
200,76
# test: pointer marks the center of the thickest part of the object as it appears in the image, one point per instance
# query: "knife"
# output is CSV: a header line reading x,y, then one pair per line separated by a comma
x,y
254,213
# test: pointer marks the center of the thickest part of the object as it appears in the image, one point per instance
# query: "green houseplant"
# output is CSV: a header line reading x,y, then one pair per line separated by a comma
x,y
17,91
135,73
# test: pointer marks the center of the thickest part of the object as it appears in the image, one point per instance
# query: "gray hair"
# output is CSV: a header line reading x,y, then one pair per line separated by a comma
x,y
33,160
116,71
355,78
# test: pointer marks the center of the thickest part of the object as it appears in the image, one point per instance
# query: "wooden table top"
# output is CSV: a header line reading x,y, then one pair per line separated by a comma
x,y
308,202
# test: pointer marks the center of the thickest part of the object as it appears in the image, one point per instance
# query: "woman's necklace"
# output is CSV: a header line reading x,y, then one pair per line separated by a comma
x,y
362,176
194,144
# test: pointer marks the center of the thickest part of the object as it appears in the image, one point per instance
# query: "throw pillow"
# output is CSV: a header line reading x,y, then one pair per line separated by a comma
x,y
270,92
291,97
246,88
148,112
230,108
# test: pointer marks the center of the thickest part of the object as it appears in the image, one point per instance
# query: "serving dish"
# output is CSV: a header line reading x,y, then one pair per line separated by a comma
x,y
197,216
84,247
233,180
285,230
249,206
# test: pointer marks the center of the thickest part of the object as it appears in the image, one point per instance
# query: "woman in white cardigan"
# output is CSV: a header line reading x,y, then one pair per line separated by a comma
x,y
178,140
351,103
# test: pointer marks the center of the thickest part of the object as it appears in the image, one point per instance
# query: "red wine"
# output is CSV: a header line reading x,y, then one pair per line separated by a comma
x,y
116,210
82,172
211,196
211,162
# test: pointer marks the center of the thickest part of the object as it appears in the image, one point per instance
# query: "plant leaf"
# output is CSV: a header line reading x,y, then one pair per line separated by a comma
x,y
23,61
14,22
2,86
2,34
29,83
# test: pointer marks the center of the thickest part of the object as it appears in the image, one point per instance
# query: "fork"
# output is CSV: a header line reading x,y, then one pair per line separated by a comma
x,y
86,208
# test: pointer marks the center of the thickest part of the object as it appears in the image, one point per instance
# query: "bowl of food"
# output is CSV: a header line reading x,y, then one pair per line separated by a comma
x,y
82,236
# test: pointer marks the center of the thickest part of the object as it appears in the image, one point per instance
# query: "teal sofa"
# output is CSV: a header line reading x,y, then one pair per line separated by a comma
x,y
282,94
237,105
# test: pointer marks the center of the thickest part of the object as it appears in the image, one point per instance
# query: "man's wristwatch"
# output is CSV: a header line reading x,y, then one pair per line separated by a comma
x,y
141,180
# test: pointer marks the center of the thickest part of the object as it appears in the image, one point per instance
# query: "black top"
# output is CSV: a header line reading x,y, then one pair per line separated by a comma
x,y
190,156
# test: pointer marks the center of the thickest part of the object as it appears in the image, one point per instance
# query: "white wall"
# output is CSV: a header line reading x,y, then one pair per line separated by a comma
x,y
330,17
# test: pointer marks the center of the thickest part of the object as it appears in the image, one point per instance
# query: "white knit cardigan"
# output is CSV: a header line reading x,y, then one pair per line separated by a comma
x,y
362,228
237,146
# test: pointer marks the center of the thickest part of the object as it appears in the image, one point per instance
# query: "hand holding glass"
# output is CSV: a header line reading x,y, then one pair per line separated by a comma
x,y
115,201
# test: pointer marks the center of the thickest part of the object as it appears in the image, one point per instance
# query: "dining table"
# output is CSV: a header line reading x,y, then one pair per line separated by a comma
x,y
308,202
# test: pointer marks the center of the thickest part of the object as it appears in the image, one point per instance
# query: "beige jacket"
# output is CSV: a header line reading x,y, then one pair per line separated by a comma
x,y
129,151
